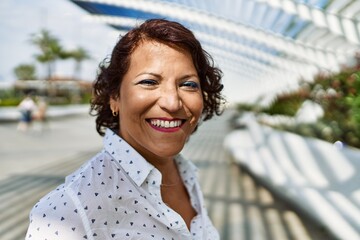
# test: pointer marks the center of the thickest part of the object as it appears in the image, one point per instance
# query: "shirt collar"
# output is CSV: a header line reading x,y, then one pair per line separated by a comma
x,y
187,171
129,159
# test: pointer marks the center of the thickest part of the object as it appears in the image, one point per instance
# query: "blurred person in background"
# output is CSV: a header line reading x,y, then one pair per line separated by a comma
x,y
40,114
149,97
26,107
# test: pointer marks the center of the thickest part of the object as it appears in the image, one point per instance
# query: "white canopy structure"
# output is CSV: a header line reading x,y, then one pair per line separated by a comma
x,y
262,46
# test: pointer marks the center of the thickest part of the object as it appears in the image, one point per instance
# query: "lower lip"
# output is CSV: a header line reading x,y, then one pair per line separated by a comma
x,y
167,130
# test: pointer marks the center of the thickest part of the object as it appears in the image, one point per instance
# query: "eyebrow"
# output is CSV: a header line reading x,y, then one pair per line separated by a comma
x,y
190,75
150,73
159,76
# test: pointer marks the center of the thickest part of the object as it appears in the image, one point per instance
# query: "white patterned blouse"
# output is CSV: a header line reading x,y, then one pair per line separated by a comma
x,y
116,195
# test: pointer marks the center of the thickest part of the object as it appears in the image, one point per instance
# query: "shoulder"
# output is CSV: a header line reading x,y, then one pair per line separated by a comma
x,y
101,173
97,183
56,216
64,208
89,193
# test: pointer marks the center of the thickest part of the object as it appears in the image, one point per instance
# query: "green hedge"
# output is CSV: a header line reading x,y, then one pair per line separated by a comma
x,y
337,94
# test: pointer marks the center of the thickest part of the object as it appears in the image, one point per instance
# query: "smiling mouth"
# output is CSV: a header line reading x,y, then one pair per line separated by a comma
x,y
166,124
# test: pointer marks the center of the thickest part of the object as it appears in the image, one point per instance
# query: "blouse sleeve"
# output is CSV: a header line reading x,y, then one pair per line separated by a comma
x,y
56,216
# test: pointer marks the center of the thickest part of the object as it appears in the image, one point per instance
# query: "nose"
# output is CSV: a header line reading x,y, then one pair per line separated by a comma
x,y
170,99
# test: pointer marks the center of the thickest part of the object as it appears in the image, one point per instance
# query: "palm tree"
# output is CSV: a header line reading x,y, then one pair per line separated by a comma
x,y
79,55
50,50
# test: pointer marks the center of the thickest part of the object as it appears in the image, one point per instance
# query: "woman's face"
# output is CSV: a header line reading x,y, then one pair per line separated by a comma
x,y
160,100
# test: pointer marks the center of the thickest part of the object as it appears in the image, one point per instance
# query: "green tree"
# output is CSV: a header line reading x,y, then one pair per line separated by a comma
x,y
79,55
50,50
25,72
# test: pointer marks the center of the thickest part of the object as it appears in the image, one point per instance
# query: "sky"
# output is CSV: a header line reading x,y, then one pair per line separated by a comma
x,y
19,19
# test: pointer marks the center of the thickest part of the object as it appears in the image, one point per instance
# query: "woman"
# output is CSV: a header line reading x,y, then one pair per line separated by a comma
x,y
148,100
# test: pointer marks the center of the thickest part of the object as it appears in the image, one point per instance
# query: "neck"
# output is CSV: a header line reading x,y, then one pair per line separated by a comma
x,y
169,172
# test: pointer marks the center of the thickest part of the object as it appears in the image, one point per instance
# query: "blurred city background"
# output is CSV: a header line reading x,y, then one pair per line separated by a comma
x,y
282,162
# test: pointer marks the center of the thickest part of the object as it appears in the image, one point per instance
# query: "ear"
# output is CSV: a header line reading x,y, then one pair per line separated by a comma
x,y
114,104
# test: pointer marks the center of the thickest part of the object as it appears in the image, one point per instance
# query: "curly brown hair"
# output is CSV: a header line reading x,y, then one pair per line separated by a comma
x,y
111,72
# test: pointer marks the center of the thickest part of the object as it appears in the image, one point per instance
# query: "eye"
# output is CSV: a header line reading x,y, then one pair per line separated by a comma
x,y
147,82
190,84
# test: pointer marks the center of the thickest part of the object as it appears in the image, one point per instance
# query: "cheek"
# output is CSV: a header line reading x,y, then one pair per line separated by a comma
x,y
134,103
196,106
199,104
199,108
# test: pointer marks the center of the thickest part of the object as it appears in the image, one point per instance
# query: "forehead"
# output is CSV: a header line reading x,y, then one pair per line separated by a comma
x,y
151,45
150,52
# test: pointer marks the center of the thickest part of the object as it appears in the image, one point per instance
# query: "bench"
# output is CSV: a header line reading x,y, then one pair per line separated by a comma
x,y
320,178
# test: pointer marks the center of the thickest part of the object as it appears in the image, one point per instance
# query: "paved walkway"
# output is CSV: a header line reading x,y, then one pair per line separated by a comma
x,y
33,163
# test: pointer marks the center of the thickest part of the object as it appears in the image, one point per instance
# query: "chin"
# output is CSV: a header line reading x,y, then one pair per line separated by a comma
x,y
169,152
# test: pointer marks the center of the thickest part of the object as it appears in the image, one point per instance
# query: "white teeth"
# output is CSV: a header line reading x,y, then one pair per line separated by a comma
x,y
165,124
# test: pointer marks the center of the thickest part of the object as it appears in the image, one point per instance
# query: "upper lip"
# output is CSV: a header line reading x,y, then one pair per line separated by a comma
x,y
167,119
